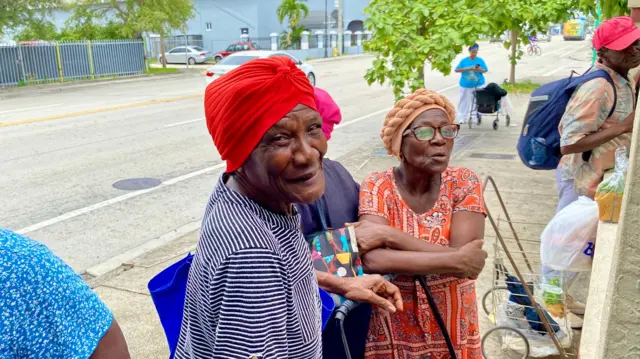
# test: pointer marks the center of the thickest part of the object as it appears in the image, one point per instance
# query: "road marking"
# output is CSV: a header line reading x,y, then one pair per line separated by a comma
x,y
561,68
345,124
93,207
184,122
447,88
553,52
30,108
99,110
571,52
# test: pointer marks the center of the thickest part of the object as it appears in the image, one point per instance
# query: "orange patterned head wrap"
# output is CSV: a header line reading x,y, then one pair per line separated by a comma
x,y
406,110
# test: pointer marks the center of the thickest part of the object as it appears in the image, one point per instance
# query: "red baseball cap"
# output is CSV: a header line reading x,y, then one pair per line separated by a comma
x,y
616,34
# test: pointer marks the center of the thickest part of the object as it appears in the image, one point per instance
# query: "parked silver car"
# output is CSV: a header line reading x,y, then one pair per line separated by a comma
x,y
187,54
235,60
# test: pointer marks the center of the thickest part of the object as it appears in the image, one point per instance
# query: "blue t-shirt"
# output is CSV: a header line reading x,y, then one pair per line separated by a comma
x,y
46,309
471,79
340,201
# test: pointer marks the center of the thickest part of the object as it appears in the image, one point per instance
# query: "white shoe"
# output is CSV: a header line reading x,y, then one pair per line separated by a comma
x,y
575,307
575,322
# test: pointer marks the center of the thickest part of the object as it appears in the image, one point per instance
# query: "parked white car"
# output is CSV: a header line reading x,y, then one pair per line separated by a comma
x,y
187,54
234,60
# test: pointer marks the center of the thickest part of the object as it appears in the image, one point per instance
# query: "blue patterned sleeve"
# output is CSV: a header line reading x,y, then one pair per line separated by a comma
x,y
46,309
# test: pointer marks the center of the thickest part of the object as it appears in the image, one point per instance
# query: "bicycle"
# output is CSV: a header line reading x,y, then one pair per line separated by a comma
x,y
534,49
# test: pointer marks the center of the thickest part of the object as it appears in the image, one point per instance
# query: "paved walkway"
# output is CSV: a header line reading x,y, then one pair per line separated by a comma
x,y
530,197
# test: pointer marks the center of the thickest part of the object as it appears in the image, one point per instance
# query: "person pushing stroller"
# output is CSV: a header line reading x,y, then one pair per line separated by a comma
x,y
472,69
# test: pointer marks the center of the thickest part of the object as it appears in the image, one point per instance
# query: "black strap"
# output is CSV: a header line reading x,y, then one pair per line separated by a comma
x,y
320,214
438,316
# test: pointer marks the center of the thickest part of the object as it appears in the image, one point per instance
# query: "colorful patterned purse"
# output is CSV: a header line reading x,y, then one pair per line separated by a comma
x,y
335,251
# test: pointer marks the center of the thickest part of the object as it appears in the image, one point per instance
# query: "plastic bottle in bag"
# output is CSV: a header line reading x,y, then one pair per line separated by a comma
x,y
610,191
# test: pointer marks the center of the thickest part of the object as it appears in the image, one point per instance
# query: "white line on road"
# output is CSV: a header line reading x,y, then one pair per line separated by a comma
x,y
30,108
561,68
571,52
184,122
553,52
93,207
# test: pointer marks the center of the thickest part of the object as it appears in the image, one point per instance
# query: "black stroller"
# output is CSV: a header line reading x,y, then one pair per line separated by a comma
x,y
487,101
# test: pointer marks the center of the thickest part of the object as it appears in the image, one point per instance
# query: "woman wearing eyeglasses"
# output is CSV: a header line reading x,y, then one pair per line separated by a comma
x,y
442,210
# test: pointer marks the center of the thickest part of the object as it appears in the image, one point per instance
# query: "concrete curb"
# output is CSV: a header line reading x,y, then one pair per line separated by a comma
x,y
338,58
121,263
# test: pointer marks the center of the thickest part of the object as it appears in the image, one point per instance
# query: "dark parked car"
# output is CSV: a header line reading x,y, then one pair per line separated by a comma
x,y
236,47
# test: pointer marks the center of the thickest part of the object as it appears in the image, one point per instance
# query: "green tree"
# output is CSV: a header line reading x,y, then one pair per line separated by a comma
x,y
85,24
610,8
406,33
131,18
164,16
41,29
16,13
293,11
523,18
136,16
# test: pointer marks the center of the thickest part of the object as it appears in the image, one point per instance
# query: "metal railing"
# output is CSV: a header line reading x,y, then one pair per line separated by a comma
x,y
169,44
41,62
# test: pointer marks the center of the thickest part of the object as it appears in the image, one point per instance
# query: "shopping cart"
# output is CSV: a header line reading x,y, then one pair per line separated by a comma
x,y
485,102
528,312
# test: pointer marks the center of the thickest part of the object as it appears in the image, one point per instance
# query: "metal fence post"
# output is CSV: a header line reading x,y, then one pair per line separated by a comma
x,y
91,69
21,62
59,61
145,53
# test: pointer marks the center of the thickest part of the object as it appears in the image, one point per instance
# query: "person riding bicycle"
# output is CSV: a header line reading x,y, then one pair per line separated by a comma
x,y
533,40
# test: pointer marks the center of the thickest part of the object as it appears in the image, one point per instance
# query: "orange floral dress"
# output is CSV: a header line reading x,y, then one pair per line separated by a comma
x,y
414,333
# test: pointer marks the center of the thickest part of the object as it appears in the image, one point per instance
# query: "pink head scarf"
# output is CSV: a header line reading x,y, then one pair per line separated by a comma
x,y
329,111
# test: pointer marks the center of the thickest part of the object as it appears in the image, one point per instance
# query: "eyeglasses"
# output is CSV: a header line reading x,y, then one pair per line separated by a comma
x,y
427,133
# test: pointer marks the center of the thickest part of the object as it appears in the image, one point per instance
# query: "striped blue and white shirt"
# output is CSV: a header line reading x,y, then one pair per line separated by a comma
x,y
252,291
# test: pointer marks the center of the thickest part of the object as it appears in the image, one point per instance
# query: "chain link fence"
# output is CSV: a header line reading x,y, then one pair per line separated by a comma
x,y
46,61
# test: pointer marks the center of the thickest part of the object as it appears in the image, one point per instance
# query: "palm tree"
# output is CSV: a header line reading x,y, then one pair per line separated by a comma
x,y
293,11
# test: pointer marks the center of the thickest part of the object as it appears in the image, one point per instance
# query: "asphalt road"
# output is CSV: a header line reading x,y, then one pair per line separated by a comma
x,y
61,152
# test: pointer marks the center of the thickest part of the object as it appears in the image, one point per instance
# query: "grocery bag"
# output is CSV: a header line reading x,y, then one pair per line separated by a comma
x,y
610,191
568,241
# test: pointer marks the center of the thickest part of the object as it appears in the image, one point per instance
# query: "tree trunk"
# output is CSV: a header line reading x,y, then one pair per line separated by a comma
x,y
514,49
163,60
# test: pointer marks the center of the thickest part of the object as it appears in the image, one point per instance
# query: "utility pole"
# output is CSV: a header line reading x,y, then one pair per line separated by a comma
x,y
340,28
326,38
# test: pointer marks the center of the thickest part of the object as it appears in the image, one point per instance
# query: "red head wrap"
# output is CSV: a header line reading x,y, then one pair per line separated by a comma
x,y
241,106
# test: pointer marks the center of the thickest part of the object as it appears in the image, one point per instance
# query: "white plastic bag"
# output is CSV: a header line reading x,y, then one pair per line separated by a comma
x,y
511,315
568,241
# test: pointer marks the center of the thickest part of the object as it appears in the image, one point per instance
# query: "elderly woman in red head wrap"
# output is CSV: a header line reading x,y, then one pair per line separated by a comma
x,y
252,291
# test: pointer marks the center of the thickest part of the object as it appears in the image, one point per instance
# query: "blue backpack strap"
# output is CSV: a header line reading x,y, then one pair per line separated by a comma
x,y
595,75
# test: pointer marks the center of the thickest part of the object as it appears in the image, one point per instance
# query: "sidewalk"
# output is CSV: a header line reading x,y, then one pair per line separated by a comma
x,y
530,197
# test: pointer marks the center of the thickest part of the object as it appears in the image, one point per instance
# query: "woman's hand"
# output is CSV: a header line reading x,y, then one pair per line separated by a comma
x,y
373,289
471,259
369,235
